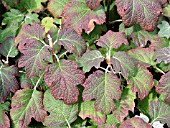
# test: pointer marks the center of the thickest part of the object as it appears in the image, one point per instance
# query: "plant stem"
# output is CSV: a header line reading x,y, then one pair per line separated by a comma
x,y
38,81
64,53
160,70
56,57
112,22
106,70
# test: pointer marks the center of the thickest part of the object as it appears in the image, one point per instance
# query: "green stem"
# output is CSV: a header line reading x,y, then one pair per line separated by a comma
x,y
38,81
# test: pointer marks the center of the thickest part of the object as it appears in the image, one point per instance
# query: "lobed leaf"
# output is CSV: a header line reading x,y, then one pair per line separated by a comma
x,y
60,113
164,86
90,59
142,11
93,4
104,87
27,104
87,110
62,78
164,29
8,81
4,120
79,16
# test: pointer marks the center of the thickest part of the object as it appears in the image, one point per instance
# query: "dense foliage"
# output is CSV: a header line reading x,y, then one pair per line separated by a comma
x,y
84,63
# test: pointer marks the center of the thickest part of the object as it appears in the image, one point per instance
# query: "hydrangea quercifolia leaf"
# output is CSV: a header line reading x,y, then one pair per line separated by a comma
x,y
71,41
110,40
93,4
55,7
142,82
104,87
27,104
124,64
135,122
90,59
8,81
163,54
164,86
79,16
4,120
159,111
62,78
107,126
87,110
164,29
146,12
60,113
35,52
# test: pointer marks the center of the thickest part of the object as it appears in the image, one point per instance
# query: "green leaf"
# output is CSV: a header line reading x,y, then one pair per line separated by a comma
x,y
104,87
166,11
87,110
31,18
60,114
90,59
27,104
164,29
47,22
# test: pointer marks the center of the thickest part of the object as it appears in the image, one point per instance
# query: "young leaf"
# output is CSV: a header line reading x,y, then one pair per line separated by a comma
x,y
142,82
87,110
90,59
4,120
164,29
163,54
144,55
124,64
31,18
142,11
8,81
135,122
159,111
60,113
79,16
7,48
93,4
71,41
48,23
62,78
110,40
104,87
55,7
27,104
164,86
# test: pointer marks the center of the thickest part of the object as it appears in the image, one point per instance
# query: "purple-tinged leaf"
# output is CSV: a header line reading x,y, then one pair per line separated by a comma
x,y
8,81
142,82
135,122
107,126
27,104
164,86
90,59
124,64
146,12
62,78
71,41
79,16
159,111
4,120
104,87
163,54
93,4
110,40
60,113
87,110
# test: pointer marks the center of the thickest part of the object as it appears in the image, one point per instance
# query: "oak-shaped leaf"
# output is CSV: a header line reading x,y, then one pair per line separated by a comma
x,y
4,120
162,54
79,16
93,4
60,113
135,122
164,86
142,11
62,78
104,87
90,59
8,81
27,104
144,55
71,41
159,111
110,40
87,110
55,7
126,104
164,29
7,48
142,82
124,64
